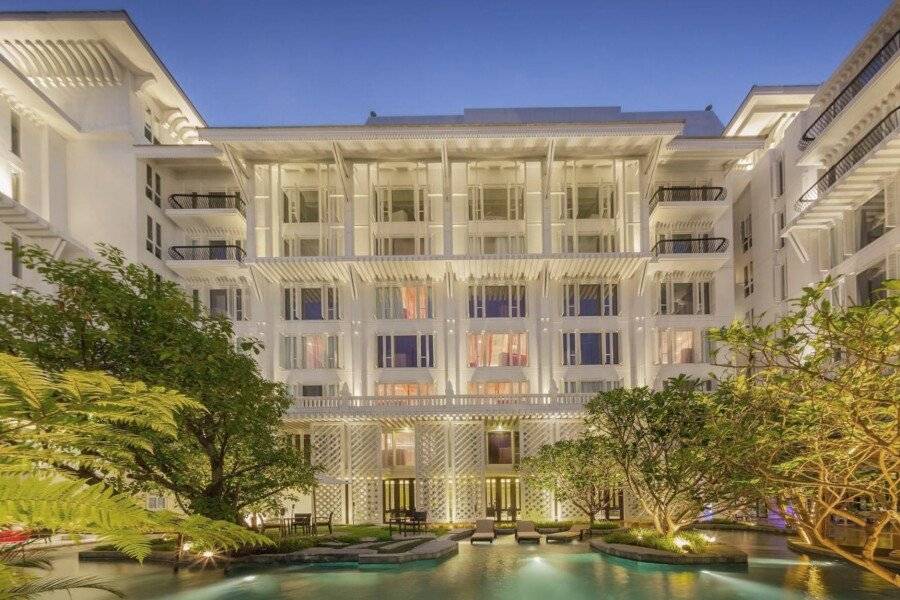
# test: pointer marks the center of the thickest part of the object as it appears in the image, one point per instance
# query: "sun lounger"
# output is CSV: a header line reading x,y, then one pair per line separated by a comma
x,y
525,532
567,536
484,531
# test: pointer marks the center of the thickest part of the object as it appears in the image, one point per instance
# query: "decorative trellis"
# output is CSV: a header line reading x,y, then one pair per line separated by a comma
x,y
569,430
432,469
537,503
327,441
365,471
468,470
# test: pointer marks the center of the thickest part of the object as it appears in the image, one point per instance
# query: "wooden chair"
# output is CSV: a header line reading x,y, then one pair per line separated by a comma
x,y
418,521
323,523
303,522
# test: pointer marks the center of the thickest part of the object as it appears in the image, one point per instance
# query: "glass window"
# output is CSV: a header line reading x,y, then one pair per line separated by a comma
x,y
398,449
403,302
500,447
590,300
591,348
497,349
320,352
405,351
683,346
871,220
16,255
404,389
15,133
400,205
311,304
682,299
870,284
218,302
496,301
496,203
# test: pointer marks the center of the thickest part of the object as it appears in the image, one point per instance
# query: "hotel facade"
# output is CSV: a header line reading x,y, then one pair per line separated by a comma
x,y
443,294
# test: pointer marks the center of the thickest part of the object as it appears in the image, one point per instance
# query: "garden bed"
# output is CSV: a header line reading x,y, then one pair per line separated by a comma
x,y
741,526
882,558
683,549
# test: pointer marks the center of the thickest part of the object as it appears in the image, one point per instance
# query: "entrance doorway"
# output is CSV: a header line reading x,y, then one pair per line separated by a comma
x,y
398,495
502,498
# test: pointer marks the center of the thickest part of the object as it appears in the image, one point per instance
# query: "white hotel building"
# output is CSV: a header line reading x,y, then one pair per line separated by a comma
x,y
442,294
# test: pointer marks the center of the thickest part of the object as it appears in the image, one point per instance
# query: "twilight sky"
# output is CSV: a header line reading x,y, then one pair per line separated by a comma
x,y
274,62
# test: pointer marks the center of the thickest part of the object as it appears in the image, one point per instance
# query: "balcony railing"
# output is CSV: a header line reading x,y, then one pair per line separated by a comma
x,y
687,194
194,201
207,253
872,139
711,245
851,90
428,405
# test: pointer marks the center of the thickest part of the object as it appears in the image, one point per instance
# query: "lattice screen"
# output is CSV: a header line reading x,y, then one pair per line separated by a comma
x,y
432,470
468,470
327,441
365,471
537,504
569,430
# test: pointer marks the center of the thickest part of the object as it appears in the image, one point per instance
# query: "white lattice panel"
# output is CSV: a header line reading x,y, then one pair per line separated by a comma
x,y
366,498
327,441
365,449
533,435
432,470
569,430
330,499
468,470
469,498
569,512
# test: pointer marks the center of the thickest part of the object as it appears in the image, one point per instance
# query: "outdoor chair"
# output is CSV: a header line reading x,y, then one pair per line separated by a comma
x,y
417,521
323,523
567,536
525,532
303,522
484,531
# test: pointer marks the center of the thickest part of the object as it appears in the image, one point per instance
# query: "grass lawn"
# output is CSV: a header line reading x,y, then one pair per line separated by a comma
x,y
684,542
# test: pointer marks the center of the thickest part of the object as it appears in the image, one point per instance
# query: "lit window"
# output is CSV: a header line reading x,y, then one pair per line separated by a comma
x,y
398,449
309,352
404,389
500,447
497,349
675,346
403,302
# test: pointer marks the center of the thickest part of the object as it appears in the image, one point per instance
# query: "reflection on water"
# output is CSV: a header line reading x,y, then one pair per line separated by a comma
x,y
507,571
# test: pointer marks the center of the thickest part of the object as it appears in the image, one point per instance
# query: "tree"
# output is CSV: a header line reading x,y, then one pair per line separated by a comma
x,y
814,400
111,316
668,451
53,419
575,470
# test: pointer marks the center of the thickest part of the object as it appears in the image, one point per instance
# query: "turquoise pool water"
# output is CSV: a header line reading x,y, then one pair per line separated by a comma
x,y
507,571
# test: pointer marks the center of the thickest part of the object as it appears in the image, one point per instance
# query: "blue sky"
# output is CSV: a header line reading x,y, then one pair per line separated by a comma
x,y
302,62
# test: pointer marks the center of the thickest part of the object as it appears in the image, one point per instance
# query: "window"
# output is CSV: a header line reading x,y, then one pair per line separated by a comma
x,y
316,391
497,388
15,133
302,246
685,298
16,256
495,301
310,352
153,242
15,186
398,449
152,185
591,386
497,349
779,227
404,389
675,346
871,219
400,205
590,202
870,284
591,348
300,206
778,177
591,243
311,303
748,279
500,447
403,302
400,246
497,244
496,203
218,302
151,126
590,300
405,351
781,281
229,302
747,233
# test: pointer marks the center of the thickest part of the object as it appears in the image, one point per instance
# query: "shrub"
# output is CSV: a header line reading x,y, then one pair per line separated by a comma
x,y
680,543
607,525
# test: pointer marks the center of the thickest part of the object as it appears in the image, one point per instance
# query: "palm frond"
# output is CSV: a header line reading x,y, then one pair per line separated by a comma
x,y
32,588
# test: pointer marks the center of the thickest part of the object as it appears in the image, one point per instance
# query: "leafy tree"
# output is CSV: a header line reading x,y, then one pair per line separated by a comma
x,y
108,315
813,405
49,420
575,470
668,451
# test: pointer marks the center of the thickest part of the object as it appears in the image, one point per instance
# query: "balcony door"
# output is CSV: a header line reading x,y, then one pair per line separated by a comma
x,y
217,249
502,498
398,495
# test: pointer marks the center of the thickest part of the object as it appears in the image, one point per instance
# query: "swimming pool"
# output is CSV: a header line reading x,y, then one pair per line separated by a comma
x,y
507,571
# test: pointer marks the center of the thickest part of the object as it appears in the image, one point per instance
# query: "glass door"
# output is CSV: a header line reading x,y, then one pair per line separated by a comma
x,y
398,495
502,498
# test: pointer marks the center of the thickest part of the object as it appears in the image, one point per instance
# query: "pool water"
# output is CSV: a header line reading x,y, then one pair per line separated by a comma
x,y
505,570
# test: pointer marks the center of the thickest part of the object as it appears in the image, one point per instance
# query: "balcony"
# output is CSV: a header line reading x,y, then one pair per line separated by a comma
x,y
202,261
688,204
699,255
194,212
430,407
854,177
853,89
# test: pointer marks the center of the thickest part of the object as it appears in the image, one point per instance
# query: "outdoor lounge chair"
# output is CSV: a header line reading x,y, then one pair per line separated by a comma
x,y
525,532
484,531
567,536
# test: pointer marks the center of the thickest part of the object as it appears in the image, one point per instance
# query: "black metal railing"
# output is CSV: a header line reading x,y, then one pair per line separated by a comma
x,y
851,90
686,194
207,253
844,164
709,245
208,201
